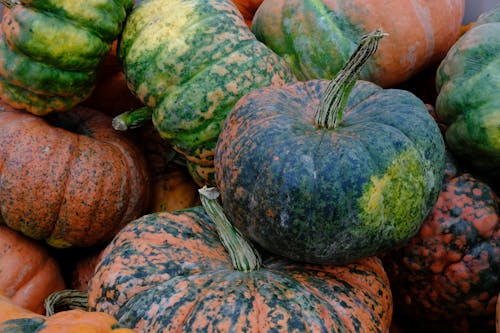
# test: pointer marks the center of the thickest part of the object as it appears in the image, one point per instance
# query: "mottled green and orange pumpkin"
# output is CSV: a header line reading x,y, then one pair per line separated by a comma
x,y
186,271
189,61
68,178
247,9
28,273
316,37
50,50
329,172
468,83
446,278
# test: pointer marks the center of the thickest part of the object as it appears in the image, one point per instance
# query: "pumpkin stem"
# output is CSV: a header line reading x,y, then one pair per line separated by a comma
x,y
9,3
67,299
132,119
332,104
244,256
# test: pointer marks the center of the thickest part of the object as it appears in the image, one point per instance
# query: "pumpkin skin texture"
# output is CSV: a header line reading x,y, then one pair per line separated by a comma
x,y
28,274
190,61
169,272
446,277
468,83
328,196
317,37
70,179
50,51
14,318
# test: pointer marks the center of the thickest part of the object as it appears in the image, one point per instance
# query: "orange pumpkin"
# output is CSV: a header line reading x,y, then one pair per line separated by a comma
x,y
28,274
69,178
14,318
247,9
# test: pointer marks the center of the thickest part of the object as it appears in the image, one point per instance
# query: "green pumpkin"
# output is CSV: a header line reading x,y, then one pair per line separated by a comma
x,y
50,50
190,61
333,190
468,83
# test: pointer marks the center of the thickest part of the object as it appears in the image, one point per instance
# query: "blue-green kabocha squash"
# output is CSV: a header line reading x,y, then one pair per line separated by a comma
x,y
333,186
468,101
189,62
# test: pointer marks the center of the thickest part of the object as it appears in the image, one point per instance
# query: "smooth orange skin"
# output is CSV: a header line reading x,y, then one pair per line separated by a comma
x,y
70,321
28,274
420,31
247,9
67,188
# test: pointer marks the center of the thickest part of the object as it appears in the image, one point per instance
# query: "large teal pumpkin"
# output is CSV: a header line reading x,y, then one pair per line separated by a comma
x,y
189,61
318,192
468,83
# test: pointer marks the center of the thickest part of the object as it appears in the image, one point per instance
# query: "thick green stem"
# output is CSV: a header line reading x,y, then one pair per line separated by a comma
x,y
67,299
244,256
332,104
132,119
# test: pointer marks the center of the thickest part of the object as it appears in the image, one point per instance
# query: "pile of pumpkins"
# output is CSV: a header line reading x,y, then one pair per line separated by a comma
x,y
249,166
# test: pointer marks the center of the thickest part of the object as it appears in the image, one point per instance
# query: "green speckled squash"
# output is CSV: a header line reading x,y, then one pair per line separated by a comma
x,y
187,271
50,50
190,61
316,174
316,37
446,277
468,82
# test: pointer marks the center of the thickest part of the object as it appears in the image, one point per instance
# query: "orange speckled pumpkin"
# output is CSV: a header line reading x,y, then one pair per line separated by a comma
x,y
247,9
447,276
14,318
316,37
68,179
170,272
28,274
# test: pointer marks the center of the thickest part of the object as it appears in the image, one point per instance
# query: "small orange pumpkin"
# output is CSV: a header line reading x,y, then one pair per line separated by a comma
x,y
28,274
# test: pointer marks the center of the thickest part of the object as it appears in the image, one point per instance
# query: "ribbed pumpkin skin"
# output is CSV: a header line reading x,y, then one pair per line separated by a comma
x,y
14,318
28,274
168,272
328,196
69,187
190,61
469,99
446,277
316,37
50,50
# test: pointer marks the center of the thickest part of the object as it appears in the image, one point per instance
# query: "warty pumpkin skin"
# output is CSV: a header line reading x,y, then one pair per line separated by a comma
x,y
69,179
50,50
317,37
446,277
468,101
329,196
14,318
169,272
190,61
28,273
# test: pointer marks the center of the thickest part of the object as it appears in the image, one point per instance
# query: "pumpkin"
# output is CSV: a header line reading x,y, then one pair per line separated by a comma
x,y
188,271
446,277
69,178
189,61
468,95
50,51
317,37
173,190
14,318
329,172
247,8
28,273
